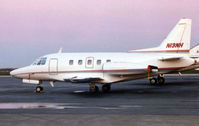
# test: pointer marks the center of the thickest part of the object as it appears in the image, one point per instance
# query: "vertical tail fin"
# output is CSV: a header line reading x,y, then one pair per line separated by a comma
x,y
179,38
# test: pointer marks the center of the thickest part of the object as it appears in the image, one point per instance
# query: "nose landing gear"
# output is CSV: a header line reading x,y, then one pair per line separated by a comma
x,y
39,88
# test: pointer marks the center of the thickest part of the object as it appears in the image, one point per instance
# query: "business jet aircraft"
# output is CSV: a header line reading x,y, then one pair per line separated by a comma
x,y
107,68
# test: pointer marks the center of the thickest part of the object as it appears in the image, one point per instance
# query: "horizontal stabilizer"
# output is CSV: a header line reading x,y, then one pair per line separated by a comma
x,y
194,52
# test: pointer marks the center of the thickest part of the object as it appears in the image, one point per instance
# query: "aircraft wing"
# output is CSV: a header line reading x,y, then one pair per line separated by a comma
x,y
77,79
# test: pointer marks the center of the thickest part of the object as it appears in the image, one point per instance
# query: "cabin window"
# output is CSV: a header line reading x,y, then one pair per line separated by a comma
x,y
99,62
108,61
89,62
80,62
70,62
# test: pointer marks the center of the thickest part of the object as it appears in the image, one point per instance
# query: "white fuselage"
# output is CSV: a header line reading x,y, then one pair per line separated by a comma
x,y
101,67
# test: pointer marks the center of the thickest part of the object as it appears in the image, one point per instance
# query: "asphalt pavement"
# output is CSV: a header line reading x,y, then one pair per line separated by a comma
x,y
129,103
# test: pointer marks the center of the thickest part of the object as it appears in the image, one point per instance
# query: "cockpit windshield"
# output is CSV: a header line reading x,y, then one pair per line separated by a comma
x,y
40,61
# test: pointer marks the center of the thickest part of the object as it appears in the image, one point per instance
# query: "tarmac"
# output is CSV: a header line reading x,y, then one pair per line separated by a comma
x,y
129,103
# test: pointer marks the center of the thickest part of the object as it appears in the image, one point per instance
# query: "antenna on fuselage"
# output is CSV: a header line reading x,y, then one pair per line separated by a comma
x,y
60,50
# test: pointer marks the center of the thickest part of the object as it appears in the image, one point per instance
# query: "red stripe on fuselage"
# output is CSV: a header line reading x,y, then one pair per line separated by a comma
x,y
97,70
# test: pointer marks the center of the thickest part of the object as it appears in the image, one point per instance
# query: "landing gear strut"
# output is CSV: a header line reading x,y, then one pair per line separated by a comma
x,y
93,88
106,88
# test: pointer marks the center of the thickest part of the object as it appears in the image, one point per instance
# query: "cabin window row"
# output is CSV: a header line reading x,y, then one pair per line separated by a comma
x,y
89,62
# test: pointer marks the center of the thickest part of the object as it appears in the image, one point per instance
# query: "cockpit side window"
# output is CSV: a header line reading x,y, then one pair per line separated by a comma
x,y
40,61
35,62
43,61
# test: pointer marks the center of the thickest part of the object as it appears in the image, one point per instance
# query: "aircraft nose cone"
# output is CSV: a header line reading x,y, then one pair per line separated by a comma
x,y
20,72
13,73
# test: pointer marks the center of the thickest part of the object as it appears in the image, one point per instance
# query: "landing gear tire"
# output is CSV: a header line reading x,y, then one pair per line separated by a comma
x,y
106,88
161,80
39,89
153,81
94,89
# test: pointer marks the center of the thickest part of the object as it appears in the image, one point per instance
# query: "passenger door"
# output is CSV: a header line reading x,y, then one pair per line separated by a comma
x,y
53,66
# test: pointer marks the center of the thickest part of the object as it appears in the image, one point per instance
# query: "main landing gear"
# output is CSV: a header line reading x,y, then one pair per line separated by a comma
x,y
106,88
153,70
157,81
94,89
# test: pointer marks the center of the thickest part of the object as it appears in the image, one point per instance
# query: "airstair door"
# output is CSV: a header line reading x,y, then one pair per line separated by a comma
x,y
53,66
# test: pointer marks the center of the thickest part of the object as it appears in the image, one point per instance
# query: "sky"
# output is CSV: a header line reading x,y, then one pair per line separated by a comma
x,y
32,28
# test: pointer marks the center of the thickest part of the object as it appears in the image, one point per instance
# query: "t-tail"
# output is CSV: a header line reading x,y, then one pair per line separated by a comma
x,y
177,41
